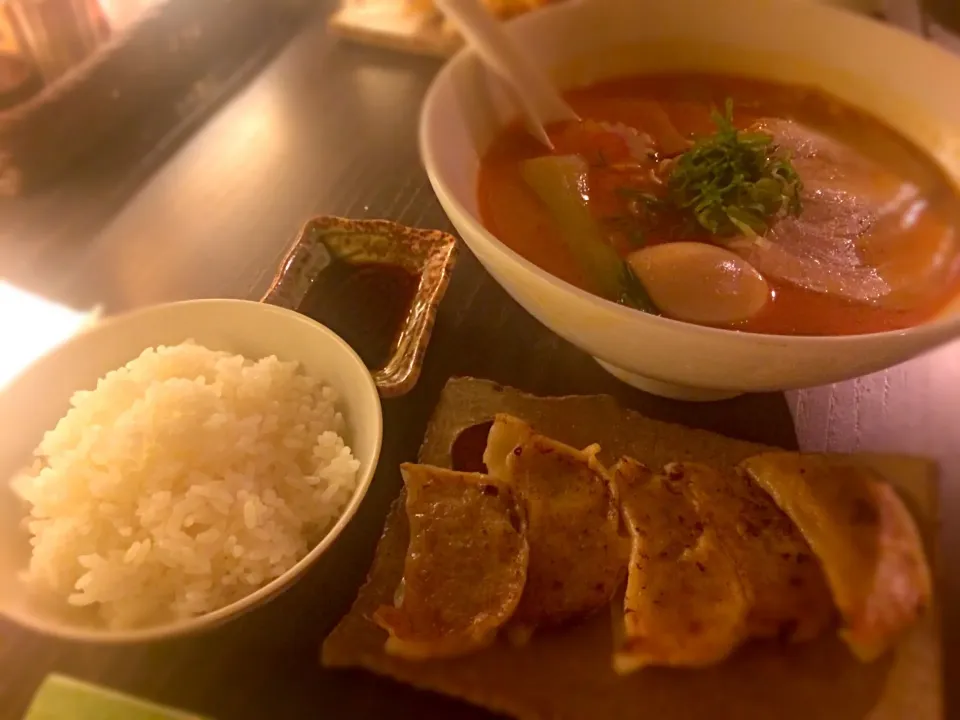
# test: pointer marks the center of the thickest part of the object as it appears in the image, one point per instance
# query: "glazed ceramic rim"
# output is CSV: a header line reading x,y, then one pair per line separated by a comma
x,y
944,328
215,618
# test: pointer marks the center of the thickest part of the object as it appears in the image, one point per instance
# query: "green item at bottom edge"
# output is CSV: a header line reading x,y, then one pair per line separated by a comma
x,y
64,698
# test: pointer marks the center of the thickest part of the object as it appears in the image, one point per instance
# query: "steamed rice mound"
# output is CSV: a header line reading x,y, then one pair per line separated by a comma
x,y
183,482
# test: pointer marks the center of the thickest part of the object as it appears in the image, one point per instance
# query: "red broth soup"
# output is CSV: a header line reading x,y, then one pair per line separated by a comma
x,y
731,202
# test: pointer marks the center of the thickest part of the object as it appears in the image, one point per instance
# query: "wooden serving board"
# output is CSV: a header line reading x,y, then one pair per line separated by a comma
x,y
392,24
567,675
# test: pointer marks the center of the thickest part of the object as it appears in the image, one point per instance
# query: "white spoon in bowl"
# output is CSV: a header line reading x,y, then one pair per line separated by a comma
x,y
539,100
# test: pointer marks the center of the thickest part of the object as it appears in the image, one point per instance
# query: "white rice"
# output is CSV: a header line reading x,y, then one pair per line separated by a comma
x,y
186,480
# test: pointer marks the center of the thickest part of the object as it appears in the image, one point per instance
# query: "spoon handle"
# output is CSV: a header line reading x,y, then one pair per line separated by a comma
x,y
536,95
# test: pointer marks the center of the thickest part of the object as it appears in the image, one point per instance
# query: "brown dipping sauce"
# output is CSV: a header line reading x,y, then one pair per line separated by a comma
x,y
364,303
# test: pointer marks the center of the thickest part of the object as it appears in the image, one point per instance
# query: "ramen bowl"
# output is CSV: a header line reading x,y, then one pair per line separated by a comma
x,y
894,77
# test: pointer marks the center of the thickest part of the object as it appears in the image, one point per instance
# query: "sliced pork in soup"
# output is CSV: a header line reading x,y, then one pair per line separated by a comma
x,y
685,605
864,537
793,213
851,208
577,556
465,567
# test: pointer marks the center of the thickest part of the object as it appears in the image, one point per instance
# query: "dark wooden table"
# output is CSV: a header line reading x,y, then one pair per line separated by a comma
x,y
330,128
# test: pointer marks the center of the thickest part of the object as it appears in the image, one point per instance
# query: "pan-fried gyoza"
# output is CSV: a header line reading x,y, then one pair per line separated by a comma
x,y
712,556
801,670
789,598
465,568
866,540
577,556
684,603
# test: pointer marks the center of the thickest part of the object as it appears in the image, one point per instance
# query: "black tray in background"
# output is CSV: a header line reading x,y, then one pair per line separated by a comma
x,y
180,58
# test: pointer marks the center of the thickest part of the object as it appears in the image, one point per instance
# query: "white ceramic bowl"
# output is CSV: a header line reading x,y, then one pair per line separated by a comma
x,y
36,400
910,84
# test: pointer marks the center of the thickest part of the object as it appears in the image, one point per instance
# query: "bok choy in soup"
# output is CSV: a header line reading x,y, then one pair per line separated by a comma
x,y
731,202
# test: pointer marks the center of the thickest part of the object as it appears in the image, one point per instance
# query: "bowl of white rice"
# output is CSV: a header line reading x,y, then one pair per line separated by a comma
x,y
171,468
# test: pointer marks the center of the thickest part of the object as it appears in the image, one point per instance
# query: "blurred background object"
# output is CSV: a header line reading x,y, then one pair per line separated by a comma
x,y
57,34
414,26
18,74
868,7
122,13
75,73
42,40
906,14
943,22
938,20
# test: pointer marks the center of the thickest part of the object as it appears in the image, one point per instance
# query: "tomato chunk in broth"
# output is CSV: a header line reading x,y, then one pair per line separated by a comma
x,y
854,229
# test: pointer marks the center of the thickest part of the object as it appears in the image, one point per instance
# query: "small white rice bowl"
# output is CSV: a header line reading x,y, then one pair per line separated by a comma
x,y
186,480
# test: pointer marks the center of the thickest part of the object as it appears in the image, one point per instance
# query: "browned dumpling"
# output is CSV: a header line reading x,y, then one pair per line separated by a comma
x,y
865,538
577,556
506,433
465,568
684,604
789,597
